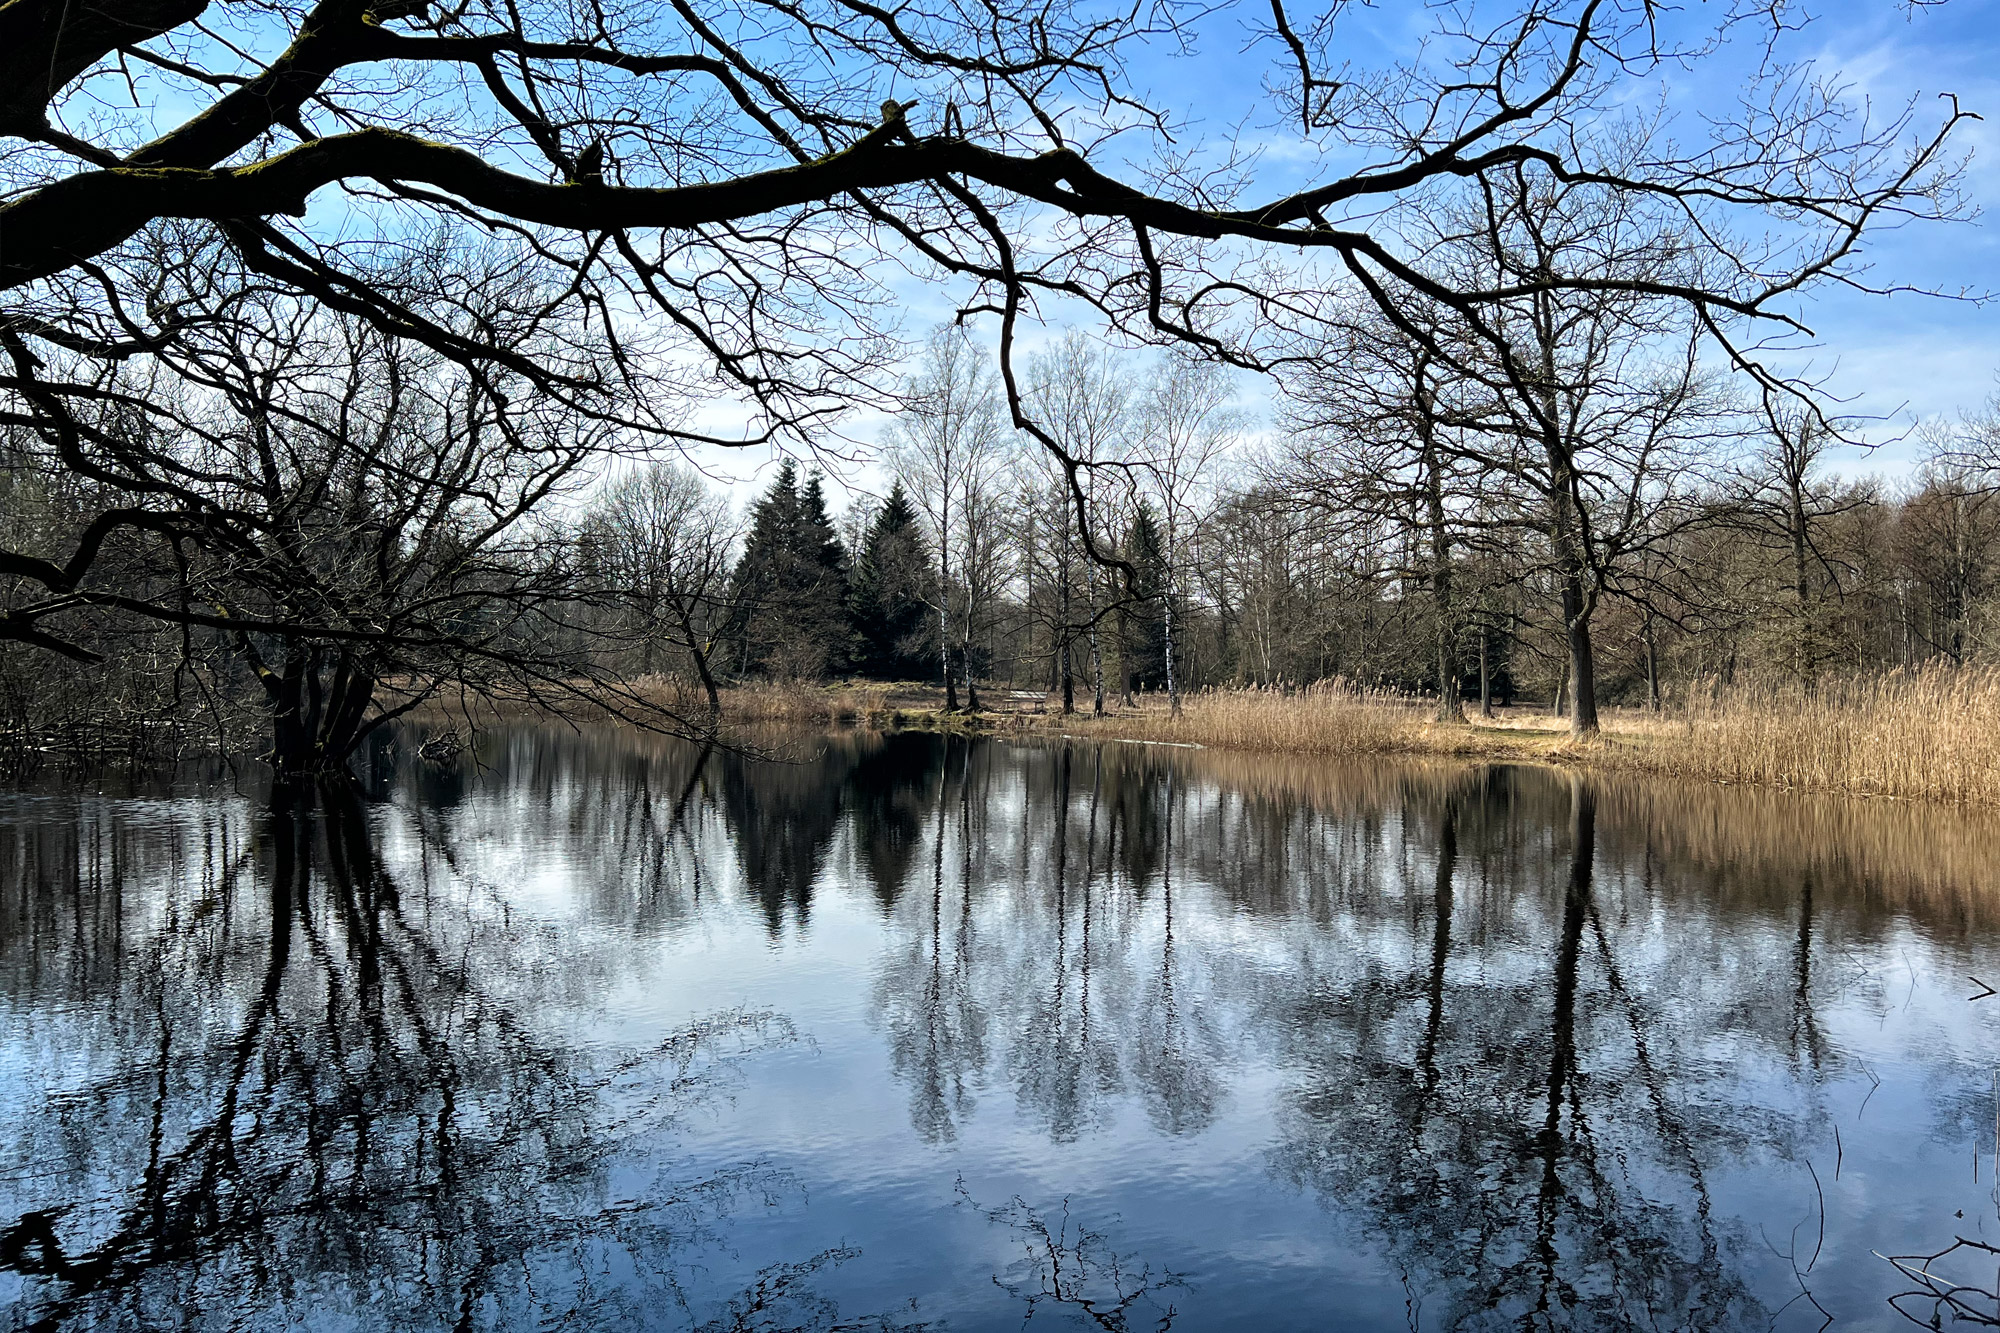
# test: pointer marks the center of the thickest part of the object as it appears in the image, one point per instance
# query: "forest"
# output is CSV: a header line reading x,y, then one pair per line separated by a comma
x,y
1367,538
358,363
1385,533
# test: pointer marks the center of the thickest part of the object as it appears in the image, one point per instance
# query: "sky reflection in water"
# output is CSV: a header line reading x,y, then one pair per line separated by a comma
x,y
928,1033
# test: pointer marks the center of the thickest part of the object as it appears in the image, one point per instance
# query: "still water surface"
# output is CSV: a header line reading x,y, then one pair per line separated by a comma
x,y
917,1032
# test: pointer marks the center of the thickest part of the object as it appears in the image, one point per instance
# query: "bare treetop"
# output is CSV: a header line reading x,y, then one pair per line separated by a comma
x,y
733,169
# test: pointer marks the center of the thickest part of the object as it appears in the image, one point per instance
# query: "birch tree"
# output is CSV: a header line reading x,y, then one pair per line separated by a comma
x,y
945,448
1086,397
1186,428
668,542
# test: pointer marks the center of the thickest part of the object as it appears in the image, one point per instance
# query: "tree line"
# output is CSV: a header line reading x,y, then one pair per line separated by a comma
x,y
1396,526
978,564
1390,530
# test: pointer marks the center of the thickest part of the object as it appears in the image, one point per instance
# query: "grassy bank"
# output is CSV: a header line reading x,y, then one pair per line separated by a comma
x,y
1929,735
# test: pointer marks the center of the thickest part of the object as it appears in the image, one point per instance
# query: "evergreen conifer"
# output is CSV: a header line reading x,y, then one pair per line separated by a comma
x,y
789,584
1143,624
889,601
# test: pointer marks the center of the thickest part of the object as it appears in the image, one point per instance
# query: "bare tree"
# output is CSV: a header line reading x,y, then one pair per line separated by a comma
x,y
1374,436
1185,427
1597,411
1786,501
1049,568
1083,393
983,560
345,515
667,543
945,448
1948,540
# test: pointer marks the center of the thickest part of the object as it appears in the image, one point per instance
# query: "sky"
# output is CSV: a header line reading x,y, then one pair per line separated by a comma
x,y
1917,357
1900,361
1896,361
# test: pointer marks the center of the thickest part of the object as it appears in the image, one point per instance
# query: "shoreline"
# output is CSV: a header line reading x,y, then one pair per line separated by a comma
x,y
1915,737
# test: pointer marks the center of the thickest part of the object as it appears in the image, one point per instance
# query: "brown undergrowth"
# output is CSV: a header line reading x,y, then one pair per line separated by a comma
x,y
1931,734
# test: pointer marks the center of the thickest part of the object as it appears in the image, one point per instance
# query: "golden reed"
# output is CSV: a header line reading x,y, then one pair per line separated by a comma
x,y
1928,734
1931,733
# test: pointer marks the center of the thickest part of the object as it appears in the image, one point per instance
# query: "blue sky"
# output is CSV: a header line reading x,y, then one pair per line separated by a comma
x,y
1901,360
1904,358
1929,358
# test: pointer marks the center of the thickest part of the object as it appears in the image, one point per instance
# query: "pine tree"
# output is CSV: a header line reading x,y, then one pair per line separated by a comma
x,y
789,585
887,601
1142,624
820,547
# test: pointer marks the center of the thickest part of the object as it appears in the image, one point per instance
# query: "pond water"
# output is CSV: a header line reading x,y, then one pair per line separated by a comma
x,y
593,1031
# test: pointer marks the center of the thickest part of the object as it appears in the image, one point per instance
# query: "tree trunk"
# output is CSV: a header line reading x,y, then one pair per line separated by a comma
x,y
944,591
291,746
1485,672
1582,662
1449,707
965,651
1802,654
1568,533
698,654
315,723
1127,683
347,722
1097,675
944,656
1096,655
1445,629
1652,666
1065,665
1068,678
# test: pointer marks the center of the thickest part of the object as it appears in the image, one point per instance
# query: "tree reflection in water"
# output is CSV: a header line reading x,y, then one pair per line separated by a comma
x,y
298,1090
1537,1170
1550,1051
1066,1268
938,1043
1174,1060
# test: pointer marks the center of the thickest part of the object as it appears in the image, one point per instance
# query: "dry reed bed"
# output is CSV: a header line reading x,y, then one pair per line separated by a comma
x,y
1932,734
1333,719
780,701
1322,719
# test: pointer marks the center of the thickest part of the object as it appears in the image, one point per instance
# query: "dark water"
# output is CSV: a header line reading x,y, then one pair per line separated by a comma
x,y
963,1035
